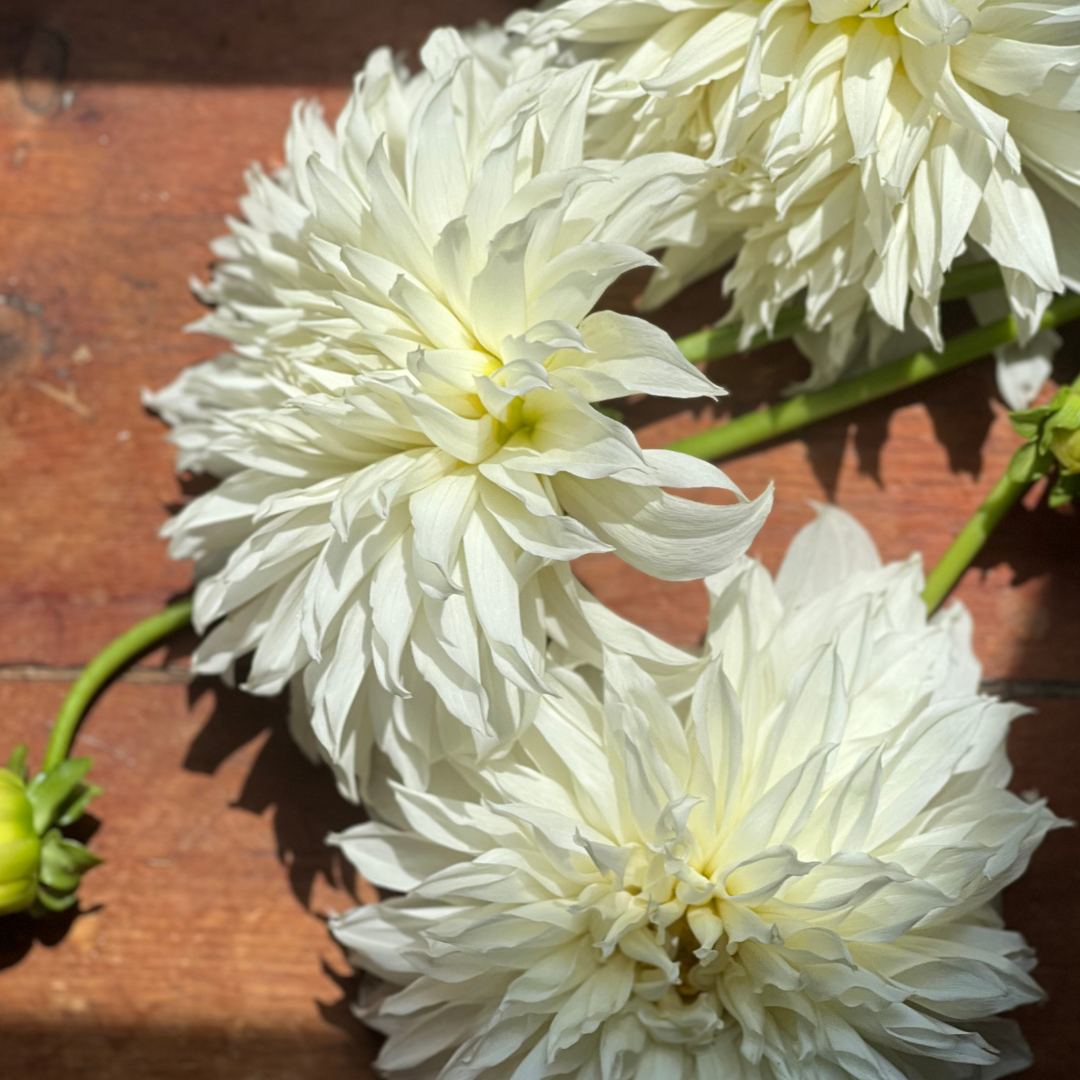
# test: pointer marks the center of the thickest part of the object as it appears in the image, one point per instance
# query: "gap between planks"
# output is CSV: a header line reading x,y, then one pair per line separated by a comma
x,y
42,673
1032,688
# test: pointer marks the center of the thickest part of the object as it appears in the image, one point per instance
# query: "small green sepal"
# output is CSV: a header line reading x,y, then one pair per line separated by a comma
x,y
53,792
1065,445
17,761
1052,446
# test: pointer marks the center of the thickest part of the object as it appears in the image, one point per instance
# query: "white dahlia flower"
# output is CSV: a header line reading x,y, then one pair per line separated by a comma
x,y
864,147
791,875
404,431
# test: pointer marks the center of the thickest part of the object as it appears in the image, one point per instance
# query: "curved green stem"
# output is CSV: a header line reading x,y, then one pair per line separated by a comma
x,y
797,412
721,341
103,667
969,541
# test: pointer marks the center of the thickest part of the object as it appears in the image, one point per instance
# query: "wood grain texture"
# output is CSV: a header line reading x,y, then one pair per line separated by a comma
x,y
124,131
200,949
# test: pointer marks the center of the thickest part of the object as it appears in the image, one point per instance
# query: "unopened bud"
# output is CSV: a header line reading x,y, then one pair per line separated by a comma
x,y
40,868
1052,447
20,846
1066,447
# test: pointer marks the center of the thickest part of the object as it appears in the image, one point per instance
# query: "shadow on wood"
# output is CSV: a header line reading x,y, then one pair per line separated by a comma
x,y
20,933
303,795
755,380
47,43
87,1051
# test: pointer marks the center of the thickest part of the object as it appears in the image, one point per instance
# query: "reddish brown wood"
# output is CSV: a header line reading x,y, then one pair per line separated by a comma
x,y
1043,904
201,949
108,213
202,959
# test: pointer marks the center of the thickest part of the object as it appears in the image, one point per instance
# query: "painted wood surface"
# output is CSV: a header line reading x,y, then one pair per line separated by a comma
x,y
124,132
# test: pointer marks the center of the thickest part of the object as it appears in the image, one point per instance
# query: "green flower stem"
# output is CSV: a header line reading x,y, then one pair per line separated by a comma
x,y
720,341
797,412
103,667
968,543
1036,459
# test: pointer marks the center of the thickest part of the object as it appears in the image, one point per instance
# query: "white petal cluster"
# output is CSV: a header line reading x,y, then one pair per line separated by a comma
x,y
862,147
405,430
790,875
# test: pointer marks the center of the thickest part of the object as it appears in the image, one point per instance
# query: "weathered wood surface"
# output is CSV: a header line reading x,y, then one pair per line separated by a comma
x,y
202,952
197,952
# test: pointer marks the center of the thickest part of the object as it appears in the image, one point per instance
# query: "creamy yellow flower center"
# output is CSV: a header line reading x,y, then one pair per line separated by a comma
x,y
515,421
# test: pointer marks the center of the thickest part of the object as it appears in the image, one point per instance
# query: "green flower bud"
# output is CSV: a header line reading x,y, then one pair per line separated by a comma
x,y
1066,447
40,868
1053,445
20,846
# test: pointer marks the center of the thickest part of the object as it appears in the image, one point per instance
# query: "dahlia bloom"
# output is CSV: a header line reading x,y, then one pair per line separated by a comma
x,y
863,148
790,875
405,430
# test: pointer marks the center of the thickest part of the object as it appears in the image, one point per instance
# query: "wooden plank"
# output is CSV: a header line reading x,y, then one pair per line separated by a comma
x,y
200,950
202,946
117,166
109,213
1042,905
885,464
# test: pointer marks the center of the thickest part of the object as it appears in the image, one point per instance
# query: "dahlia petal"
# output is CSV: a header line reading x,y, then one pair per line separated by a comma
x,y
670,538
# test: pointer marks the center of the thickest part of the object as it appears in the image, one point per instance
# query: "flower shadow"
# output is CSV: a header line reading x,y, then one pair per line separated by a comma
x,y
340,1014
305,801
1039,544
306,806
